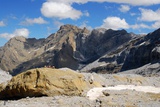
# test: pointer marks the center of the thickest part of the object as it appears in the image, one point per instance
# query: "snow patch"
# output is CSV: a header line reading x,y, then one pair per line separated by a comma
x,y
50,48
94,93
103,65
142,43
34,50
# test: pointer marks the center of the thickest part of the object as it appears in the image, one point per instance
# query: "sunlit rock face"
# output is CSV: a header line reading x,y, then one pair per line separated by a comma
x,y
46,82
100,50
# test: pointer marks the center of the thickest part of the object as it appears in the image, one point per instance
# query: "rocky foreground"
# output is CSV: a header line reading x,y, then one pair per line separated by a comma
x,y
48,87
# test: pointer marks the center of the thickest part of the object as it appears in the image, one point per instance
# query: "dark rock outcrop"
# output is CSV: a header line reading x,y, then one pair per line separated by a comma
x,y
70,47
99,50
144,52
99,43
150,69
112,61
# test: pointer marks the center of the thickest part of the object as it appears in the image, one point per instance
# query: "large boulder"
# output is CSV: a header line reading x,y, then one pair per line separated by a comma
x,y
46,82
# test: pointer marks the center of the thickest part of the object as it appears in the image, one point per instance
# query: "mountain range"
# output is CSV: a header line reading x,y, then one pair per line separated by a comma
x,y
100,50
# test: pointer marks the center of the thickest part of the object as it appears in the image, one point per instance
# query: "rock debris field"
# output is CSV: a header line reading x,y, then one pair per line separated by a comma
x,y
116,90
94,93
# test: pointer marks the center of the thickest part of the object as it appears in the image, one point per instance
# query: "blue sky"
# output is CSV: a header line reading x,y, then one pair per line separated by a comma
x,y
40,18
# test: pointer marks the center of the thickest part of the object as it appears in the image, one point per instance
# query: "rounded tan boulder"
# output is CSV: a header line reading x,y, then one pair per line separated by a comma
x,y
45,82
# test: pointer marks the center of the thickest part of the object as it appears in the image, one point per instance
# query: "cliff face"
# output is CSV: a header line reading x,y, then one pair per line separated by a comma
x,y
99,50
101,42
18,50
145,51
70,47
57,50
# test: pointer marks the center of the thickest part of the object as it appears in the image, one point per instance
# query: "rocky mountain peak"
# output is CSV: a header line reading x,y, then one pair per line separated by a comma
x,y
154,36
102,30
85,30
72,29
79,48
16,40
69,27
69,44
20,38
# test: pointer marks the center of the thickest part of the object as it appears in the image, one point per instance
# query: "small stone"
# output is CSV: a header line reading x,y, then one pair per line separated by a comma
x,y
105,92
103,85
98,103
60,101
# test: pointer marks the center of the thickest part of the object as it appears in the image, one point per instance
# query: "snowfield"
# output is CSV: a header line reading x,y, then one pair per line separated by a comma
x,y
94,93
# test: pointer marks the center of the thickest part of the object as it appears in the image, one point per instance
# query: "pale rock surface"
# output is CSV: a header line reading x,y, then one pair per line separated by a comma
x,y
46,82
94,93
151,69
124,90
4,76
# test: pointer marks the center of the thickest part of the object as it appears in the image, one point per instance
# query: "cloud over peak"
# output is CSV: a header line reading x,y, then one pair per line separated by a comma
x,y
2,24
149,15
18,32
124,8
133,2
63,9
60,10
115,23
130,2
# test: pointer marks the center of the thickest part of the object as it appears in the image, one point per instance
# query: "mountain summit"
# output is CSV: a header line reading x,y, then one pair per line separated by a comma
x,y
99,50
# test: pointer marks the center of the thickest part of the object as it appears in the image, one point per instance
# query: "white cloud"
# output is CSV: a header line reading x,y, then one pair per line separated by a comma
x,y
133,14
2,24
138,26
133,2
84,24
29,21
115,23
60,10
70,1
18,32
124,8
156,25
130,2
86,13
149,15
63,9
58,24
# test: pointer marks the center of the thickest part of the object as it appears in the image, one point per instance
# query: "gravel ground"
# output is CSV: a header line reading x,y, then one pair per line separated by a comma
x,y
130,79
108,98
57,101
111,98
94,93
